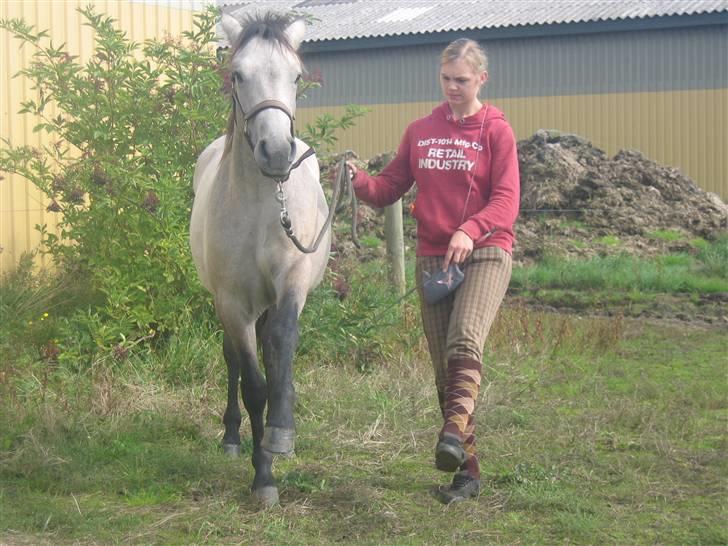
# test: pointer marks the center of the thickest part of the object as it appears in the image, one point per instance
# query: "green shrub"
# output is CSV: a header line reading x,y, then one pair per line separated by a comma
x,y
350,318
132,120
321,134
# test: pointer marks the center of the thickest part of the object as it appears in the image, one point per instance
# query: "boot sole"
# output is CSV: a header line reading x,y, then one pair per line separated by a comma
x,y
448,458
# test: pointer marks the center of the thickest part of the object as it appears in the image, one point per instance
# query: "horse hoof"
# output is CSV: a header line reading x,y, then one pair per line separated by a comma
x,y
267,495
231,450
280,441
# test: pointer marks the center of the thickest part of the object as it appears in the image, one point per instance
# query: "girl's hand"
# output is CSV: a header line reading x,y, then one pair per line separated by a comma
x,y
460,247
352,169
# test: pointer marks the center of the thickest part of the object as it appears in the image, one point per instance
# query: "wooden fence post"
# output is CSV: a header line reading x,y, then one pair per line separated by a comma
x,y
395,244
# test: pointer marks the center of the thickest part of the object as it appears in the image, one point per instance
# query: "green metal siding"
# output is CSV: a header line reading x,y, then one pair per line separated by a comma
x,y
610,62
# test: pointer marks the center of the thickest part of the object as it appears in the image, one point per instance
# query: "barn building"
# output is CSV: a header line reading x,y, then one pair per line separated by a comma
x,y
650,75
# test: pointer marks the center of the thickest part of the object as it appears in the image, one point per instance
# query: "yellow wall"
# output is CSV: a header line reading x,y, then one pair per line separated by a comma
x,y
683,129
21,205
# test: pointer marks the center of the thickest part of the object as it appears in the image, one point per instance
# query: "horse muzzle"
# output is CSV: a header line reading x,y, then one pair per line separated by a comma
x,y
274,157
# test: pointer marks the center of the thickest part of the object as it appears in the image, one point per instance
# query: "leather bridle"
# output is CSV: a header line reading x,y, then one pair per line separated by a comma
x,y
280,196
257,109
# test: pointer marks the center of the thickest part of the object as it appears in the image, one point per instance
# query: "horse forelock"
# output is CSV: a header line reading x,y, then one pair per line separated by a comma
x,y
270,27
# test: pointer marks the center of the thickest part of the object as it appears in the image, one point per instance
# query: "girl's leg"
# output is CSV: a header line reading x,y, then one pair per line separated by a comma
x,y
474,308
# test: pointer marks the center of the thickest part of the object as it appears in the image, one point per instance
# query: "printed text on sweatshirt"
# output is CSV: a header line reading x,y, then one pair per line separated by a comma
x,y
440,154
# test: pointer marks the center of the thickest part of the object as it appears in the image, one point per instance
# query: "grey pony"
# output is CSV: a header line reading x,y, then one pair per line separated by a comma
x,y
241,252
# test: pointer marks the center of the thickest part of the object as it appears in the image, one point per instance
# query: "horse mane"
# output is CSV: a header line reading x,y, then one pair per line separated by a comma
x,y
270,26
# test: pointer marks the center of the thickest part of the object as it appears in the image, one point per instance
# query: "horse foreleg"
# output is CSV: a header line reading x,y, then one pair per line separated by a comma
x,y
280,338
253,389
232,418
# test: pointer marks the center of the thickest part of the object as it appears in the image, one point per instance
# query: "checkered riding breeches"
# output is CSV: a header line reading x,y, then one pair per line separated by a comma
x,y
458,325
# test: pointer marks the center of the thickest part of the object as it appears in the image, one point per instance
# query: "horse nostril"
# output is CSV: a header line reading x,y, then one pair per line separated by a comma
x,y
263,149
292,155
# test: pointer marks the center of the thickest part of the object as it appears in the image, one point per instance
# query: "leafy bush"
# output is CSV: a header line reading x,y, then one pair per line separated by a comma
x,y
118,171
350,319
322,133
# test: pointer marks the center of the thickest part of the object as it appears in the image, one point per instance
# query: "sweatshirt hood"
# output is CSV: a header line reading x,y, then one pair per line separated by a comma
x,y
488,110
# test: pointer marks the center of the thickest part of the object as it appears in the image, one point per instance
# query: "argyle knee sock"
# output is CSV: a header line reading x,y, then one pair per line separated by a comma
x,y
471,464
461,392
441,401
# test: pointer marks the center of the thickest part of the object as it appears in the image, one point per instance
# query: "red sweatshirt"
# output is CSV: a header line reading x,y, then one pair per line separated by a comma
x,y
440,154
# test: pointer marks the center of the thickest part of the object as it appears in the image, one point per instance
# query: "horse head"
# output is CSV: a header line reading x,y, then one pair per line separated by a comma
x,y
265,69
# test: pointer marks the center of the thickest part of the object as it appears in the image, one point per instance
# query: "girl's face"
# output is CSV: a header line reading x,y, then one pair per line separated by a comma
x,y
460,83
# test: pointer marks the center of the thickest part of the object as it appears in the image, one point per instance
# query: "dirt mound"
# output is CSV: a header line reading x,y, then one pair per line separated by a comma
x,y
575,200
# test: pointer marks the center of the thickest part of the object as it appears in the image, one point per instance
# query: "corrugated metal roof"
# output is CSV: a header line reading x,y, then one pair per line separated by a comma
x,y
341,19
187,5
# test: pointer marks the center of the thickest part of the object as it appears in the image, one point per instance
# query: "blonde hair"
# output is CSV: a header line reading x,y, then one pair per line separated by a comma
x,y
468,50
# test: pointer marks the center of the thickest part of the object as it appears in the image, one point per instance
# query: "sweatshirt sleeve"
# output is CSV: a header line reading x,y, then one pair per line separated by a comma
x,y
504,201
389,185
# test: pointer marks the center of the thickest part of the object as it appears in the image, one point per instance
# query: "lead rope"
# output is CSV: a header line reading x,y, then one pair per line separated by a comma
x,y
342,181
350,196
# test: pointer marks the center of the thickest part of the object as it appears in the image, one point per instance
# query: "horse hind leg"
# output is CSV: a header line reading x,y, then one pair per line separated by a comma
x,y
280,338
242,352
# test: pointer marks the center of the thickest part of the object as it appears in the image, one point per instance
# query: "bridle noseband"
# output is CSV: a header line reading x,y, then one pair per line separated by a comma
x,y
257,109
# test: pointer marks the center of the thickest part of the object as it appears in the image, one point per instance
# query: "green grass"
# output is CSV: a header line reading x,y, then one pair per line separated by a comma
x,y
590,431
667,235
707,272
714,258
608,240
370,241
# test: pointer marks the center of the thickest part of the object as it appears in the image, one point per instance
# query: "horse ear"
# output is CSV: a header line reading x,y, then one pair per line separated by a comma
x,y
232,28
295,32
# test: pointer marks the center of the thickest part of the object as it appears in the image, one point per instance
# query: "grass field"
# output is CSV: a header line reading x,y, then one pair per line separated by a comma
x,y
591,431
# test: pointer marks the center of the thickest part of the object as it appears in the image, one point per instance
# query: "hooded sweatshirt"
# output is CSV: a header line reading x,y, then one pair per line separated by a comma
x,y
467,179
